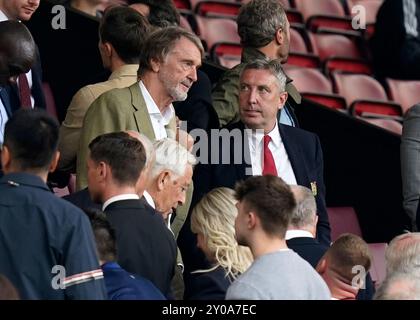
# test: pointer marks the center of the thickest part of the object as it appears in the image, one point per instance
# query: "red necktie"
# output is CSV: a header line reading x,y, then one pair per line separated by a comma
x,y
269,164
24,92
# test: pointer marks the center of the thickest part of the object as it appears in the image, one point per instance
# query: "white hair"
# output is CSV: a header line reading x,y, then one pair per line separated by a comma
x,y
172,156
403,253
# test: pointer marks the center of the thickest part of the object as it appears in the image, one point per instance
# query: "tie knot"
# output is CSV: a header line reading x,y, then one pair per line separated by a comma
x,y
267,139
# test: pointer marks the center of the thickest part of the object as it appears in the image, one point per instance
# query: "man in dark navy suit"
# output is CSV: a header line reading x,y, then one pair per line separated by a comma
x,y
300,235
27,91
17,55
120,284
266,147
145,245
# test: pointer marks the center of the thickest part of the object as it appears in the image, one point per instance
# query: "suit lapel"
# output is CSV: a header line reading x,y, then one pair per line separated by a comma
x,y
4,96
241,169
295,156
141,115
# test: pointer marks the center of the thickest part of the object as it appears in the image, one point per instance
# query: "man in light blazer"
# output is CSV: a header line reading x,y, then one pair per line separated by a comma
x,y
167,69
122,32
296,155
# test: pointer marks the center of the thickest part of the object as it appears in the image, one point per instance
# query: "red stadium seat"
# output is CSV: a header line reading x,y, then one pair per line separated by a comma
x,y
183,4
404,92
313,85
371,8
215,30
387,124
343,220
217,8
364,95
227,54
339,52
378,266
184,23
299,54
326,13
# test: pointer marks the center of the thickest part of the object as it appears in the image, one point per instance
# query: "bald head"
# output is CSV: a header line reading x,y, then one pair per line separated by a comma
x,y
17,50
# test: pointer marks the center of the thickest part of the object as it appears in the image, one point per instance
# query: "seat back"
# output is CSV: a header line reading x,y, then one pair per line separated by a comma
x,y
404,92
310,80
343,220
214,30
387,124
217,8
334,45
310,8
378,265
358,87
297,44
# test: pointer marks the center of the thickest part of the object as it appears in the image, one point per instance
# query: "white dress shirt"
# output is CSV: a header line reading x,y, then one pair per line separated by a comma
x,y
3,17
149,199
3,120
126,196
281,159
159,120
290,234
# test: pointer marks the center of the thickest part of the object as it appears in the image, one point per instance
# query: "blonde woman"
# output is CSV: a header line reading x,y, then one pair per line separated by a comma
x,y
213,220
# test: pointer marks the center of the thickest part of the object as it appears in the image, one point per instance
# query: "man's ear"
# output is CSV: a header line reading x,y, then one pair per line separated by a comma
x,y
103,170
162,179
5,158
280,36
54,161
108,49
282,99
322,265
252,220
155,64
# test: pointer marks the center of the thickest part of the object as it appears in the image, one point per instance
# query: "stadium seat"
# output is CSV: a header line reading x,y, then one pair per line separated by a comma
x,y
339,52
364,95
217,9
183,4
387,124
313,85
371,8
299,54
343,220
326,13
184,23
378,266
226,54
404,92
215,30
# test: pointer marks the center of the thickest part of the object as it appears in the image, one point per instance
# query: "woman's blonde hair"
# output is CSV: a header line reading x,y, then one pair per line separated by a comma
x,y
214,217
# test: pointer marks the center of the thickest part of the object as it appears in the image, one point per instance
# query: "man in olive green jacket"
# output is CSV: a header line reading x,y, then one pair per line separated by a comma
x,y
168,68
265,34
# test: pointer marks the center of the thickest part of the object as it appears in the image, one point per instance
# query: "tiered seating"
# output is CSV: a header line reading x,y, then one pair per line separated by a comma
x,y
313,85
406,93
364,95
216,8
326,13
339,52
344,220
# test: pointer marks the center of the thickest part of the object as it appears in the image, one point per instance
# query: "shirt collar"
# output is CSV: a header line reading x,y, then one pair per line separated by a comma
x,y
3,16
126,70
290,234
149,199
258,135
26,179
152,107
126,196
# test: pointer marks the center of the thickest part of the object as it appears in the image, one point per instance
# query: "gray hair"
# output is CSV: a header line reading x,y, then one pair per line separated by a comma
x,y
399,286
172,156
403,253
305,212
273,66
161,42
258,22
